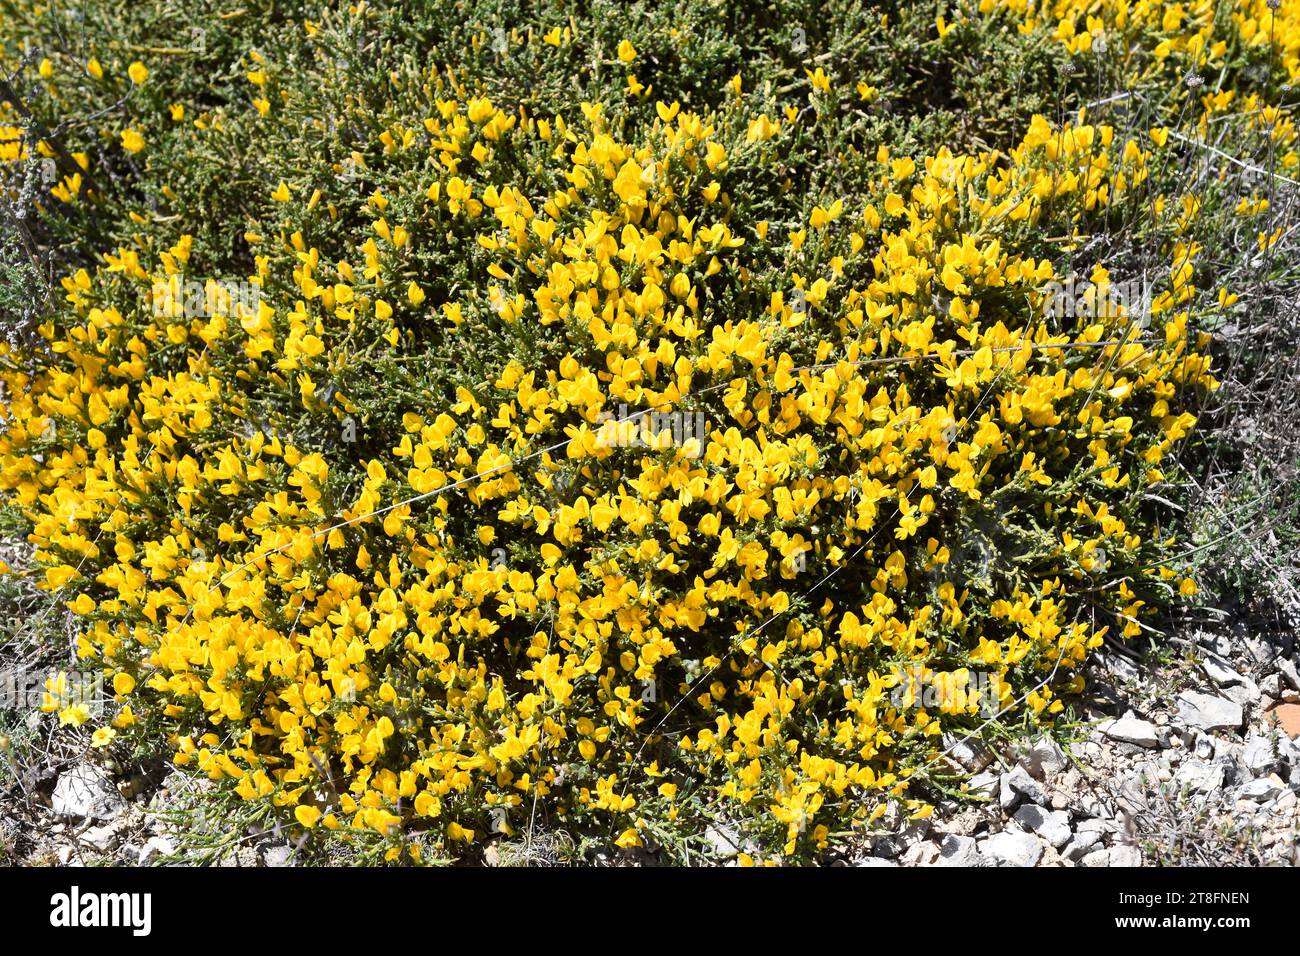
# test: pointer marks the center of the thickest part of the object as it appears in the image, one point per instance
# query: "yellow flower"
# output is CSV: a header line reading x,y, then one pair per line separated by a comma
x,y
626,51
132,141
138,72
306,815
457,832
74,715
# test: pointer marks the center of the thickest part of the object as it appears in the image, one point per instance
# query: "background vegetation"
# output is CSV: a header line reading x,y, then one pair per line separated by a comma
x,y
375,172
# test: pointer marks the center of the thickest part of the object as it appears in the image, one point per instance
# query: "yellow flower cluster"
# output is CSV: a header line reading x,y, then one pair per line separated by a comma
x,y
496,596
12,147
1190,29
1194,35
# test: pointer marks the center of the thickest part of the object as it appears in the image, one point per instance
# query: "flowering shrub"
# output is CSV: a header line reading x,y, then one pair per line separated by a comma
x,y
396,528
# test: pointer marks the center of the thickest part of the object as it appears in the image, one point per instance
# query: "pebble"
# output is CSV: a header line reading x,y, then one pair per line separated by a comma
x,y
1271,686
1287,669
984,784
1130,730
1125,855
971,754
1018,784
1259,755
1218,671
1201,777
1053,826
1044,757
1263,789
957,850
83,793
100,838
1009,848
1208,712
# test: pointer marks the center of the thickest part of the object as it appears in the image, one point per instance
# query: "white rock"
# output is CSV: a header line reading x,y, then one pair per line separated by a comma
x,y
1007,796
971,754
984,784
1052,826
1258,755
873,861
1009,848
1247,695
1289,673
1263,790
100,838
1044,757
1221,672
887,846
1018,784
1204,746
958,851
1207,712
1125,855
1198,776
1271,685
1097,825
1130,730
1118,665
723,840
1216,643
1081,844
84,793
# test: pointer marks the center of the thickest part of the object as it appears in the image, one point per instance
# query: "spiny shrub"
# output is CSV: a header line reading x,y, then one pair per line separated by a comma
x,y
433,457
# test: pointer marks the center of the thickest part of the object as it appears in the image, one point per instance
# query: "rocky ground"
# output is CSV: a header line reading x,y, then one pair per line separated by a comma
x,y
1191,761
